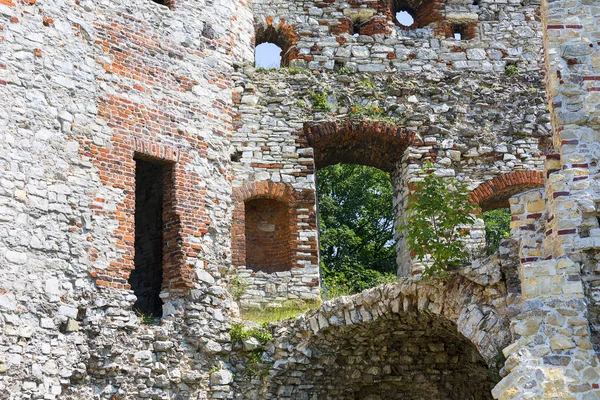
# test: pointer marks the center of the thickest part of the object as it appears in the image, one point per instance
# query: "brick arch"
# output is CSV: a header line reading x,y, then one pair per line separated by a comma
x,y
424,12
264,189
454,310
268,250
373,143
494,194
282,34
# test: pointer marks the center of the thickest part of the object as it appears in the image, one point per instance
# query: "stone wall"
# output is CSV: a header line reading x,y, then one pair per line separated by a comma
x,y
87,87
320,35
407,339
559,302
394,122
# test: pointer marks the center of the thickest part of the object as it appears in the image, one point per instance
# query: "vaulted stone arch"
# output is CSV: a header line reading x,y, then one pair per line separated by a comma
x,y
405,340
495,193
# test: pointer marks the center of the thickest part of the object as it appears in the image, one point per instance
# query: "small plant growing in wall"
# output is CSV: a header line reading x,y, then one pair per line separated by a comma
x,y
372,111
437,210
253,342
237,287
345,71
511,70
145,318
319,101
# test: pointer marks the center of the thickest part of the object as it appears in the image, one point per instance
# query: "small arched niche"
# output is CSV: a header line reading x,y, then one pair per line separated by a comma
x,y
272,48
411,14
267,232
267,55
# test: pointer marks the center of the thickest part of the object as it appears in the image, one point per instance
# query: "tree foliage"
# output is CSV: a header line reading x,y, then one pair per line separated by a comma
x,y
497,227
356,220
438,209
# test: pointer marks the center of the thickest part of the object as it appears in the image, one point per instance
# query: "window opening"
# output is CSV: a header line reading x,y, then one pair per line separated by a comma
x,y
268,246
497,228
405,18
267,55
458,32
146,278
356,228
356,29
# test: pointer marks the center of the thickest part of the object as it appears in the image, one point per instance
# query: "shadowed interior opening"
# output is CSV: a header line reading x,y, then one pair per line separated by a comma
x,y
146,278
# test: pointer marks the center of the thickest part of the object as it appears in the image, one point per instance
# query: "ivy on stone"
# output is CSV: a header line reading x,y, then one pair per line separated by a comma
x,y
438,212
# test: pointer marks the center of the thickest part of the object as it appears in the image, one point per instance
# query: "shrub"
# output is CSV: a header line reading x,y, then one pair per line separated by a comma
x,y
438,209
497,227
319,101
511,70
351,279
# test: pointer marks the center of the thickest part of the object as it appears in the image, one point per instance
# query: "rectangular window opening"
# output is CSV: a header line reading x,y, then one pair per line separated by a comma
x,y
147,276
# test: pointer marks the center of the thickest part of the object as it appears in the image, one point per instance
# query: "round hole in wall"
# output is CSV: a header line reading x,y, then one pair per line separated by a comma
x,y
267,55
404,18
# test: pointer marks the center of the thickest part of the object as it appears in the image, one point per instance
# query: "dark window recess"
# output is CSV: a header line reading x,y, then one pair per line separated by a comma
x,y
267,235
462,31
166,3
236,156
356,28
146,278
458,32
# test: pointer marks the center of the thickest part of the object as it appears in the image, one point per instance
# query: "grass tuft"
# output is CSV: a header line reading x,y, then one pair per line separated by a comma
x,y
288,310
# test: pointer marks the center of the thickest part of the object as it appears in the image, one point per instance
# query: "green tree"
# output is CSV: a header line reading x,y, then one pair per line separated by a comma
x,y
497,227
356,220
438,208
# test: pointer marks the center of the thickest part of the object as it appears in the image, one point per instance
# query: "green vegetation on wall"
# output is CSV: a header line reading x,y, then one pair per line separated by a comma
x,y
497,227
438,210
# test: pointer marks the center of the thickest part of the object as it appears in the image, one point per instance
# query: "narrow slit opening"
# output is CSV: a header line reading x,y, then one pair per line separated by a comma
x,y
146,278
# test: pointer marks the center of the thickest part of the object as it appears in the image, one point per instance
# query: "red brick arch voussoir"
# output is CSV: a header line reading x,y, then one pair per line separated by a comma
x,y
494,193
374,143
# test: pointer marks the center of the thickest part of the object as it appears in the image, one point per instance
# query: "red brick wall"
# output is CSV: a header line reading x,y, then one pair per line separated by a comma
x,y
268,238
139,61
253,202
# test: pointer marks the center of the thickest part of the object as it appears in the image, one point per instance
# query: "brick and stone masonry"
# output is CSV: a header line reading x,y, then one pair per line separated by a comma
x,y
139,137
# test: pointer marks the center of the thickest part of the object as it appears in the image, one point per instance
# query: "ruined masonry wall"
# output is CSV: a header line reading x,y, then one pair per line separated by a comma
x,y
459,121
558,321
85,86
320,34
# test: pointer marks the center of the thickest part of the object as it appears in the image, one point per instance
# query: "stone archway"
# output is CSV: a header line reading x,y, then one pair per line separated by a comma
x,y
279,33
372,143
404,340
